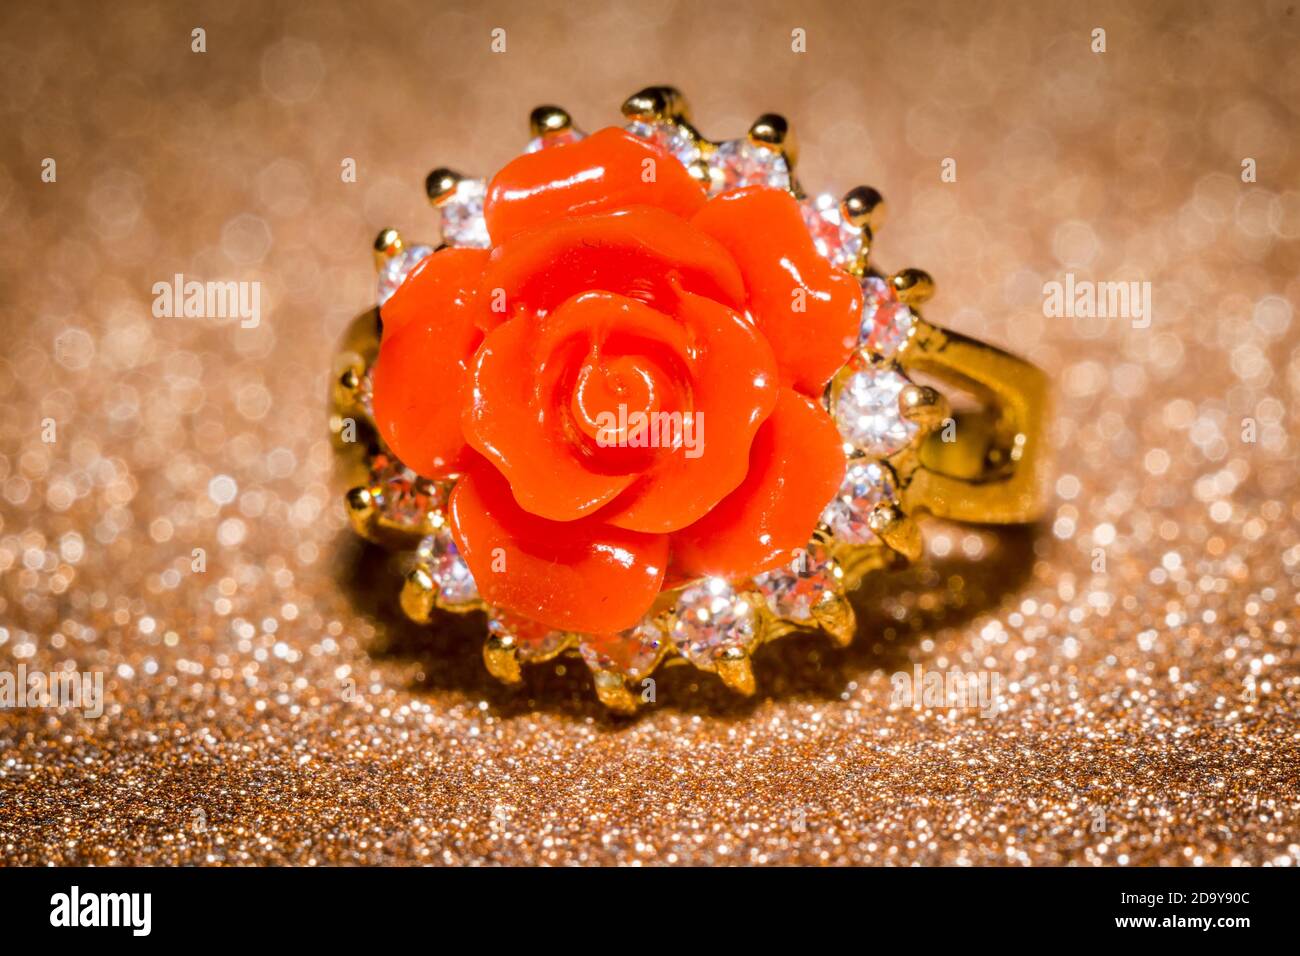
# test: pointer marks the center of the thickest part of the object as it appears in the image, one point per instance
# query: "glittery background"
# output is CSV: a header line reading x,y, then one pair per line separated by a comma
x,y
1145,633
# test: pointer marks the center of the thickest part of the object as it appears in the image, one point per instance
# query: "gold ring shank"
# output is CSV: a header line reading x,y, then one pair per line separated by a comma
x,y
984,466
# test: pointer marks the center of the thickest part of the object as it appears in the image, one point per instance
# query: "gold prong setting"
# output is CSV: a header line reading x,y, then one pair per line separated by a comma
x,y
898,531
863,208
419,595
439,575
661,115
736,671
501,657
612,691
351,392
394,260
361,511
551,126
834,615
388,245
441,184
772,132
923,406
459,201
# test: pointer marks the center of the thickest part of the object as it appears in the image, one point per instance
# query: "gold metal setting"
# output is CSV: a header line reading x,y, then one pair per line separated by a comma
x,y
771,131
502,658
387,245
613,692
440,184
549,120
864,207
737,673
664,103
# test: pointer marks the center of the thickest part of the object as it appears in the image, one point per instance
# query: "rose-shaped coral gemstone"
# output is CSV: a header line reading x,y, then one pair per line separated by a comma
x,y
616,299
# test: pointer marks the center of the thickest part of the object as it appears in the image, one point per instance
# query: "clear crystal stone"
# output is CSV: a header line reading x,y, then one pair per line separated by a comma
x,y
794,590
865,485
667,136
632,652
711,617
739,163
402,497
438,552
887,324
462,215
533,640
867,412
562,138
832,235
395,270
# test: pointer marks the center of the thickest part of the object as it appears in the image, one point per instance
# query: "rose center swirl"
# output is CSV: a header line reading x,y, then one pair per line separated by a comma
x,y
614,398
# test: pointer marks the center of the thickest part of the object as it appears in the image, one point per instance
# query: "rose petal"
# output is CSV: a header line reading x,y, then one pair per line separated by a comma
x,y
795,468
611,169
733,381
635,252
576,575
429,335
807,308
525,382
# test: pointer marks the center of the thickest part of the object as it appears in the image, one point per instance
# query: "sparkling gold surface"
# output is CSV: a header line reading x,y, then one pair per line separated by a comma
x,y
275,707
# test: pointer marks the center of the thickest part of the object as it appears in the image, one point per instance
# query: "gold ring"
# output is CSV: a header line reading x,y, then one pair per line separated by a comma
x,y
931,422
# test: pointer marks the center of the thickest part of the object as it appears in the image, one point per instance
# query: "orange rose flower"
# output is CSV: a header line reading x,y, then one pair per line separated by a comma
x,y
614,295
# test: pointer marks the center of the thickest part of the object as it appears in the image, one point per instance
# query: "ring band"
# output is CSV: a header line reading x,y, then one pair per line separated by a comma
x,y
984,465
907,452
